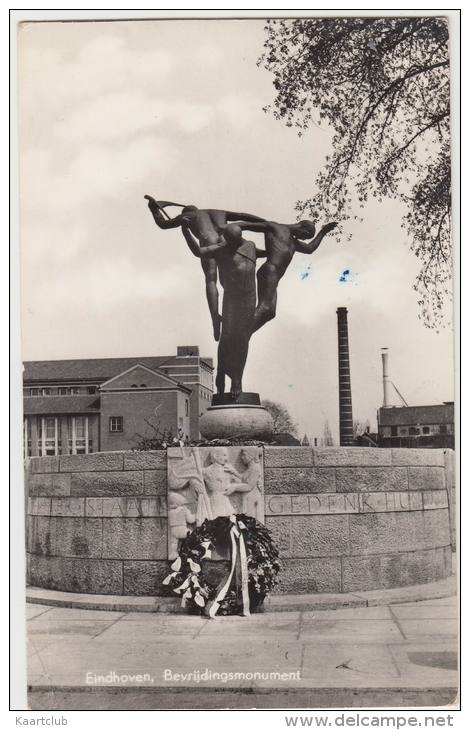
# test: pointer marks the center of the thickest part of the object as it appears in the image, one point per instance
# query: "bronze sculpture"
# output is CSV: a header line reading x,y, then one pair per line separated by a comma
x,y
225,253
204,224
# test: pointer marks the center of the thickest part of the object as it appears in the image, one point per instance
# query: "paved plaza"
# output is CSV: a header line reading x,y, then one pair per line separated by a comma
x,y
398,655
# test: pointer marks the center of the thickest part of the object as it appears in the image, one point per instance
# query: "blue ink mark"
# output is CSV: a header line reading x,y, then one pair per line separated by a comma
x,y
344,275
290,385
305,274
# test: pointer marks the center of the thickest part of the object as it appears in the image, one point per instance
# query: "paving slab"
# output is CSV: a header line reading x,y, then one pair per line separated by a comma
x,y
432,627
35,644
166,619
427,664
349,665
349,631
64,627
267,624
155,626
32,611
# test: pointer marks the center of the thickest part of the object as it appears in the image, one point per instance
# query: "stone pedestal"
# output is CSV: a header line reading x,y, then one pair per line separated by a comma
x,y
240,418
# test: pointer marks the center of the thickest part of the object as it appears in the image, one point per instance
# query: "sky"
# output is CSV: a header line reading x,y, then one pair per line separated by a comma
x,y
111,111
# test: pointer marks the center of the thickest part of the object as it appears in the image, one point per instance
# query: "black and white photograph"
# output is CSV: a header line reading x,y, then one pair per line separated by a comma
x,y
239,409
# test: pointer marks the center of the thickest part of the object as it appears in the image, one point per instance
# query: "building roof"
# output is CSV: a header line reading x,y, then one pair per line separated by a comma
x,y
93,369
60,404
159,377
414,415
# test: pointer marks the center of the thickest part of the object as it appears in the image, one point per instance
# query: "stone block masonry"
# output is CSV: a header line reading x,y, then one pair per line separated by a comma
x,y
345,519
97,523
348,519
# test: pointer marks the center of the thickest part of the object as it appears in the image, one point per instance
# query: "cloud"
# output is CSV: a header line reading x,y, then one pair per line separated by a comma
x,y
120,114
209,55
105,285
240,109
96,171
124,114
104,65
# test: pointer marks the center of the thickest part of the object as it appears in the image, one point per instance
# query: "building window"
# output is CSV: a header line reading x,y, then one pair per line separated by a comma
x,y
116,424
414,431
79,427
40,391
62,391
186,407
48,444
79,442
27,437
442,428
50,428
394,431
74,390
426,429
91,389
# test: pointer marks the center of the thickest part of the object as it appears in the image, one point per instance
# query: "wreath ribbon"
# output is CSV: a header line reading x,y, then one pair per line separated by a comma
x,y
238,553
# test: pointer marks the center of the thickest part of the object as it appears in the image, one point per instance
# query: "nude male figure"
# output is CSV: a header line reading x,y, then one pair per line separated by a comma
x,y
204,224
282,242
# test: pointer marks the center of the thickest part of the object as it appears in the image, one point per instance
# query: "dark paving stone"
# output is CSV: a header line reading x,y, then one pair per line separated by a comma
x,y
435,659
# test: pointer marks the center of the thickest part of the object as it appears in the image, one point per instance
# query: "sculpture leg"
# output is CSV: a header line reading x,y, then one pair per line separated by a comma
x,y
237,363
236,387
268,280
220,381
209,267
220,376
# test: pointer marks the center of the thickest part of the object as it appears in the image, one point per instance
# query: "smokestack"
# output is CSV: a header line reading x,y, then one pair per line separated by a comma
x,y
385,378
346,433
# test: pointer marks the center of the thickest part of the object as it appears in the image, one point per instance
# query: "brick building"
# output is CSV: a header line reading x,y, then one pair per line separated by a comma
x,y
417,426
82,406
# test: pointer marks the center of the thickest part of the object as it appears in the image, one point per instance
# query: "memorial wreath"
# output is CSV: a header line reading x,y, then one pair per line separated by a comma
x,y
254,565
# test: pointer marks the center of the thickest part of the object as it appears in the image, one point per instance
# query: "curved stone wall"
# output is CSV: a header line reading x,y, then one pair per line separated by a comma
x,y
350,519
345,519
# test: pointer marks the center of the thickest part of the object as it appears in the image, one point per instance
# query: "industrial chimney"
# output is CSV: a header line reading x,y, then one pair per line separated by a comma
x,y
385,378
346,432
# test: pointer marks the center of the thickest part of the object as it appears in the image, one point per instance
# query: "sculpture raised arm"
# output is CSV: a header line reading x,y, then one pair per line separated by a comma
x,y
312,245
156,208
